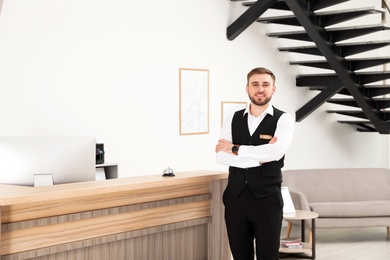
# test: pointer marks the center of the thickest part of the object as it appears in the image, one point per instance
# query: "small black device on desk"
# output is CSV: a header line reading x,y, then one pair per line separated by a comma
x,y
99,153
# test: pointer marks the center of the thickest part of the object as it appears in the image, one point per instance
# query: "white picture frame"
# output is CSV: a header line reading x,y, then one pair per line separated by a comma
x,y
194,101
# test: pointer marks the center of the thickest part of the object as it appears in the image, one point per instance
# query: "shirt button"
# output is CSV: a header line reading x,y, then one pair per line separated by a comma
x,y
246,182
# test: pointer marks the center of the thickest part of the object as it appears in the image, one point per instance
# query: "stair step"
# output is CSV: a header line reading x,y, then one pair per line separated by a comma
x,y
321,64
314,5
292,35
327,79
345,49
354,122
354,113
312,49
280,5
345,33
361,126
363,63
324,18
285,20
334,17
312,80
353,64
369,91
359,113
380,103
376,90
335,34
343,90
372,76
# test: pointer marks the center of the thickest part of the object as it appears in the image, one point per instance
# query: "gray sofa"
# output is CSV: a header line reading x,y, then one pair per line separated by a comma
x,y
342,197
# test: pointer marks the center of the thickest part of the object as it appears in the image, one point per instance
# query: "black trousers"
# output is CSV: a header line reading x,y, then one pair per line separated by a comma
x,y
250,219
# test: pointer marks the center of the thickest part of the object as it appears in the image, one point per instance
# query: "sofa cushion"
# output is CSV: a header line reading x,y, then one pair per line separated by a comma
x,y
341,185
374,208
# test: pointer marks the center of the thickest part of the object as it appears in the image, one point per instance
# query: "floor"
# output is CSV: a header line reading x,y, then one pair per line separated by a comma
x,y
351,243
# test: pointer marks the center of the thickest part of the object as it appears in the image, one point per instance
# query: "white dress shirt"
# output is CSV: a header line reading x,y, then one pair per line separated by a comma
x,y
249,155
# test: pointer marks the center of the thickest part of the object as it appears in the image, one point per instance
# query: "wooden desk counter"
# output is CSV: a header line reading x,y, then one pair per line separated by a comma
x,y
142,217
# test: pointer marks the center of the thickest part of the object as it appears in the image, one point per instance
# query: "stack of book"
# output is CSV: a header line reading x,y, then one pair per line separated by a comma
x,y
291,242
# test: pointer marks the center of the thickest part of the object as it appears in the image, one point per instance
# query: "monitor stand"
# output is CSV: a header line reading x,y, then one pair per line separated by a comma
x,y
100,174
43,179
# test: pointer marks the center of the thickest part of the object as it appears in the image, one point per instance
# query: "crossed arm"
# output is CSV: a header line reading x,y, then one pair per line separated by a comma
x,y
250,155
226,146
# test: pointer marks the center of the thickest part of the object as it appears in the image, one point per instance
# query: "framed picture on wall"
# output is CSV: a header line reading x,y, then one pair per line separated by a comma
x,y
230,107
194,101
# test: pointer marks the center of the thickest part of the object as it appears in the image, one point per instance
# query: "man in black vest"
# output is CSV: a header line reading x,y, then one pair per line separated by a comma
x,y
253,142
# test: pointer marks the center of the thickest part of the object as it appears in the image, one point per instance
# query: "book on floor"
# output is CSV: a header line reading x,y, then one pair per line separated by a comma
x,y
292,244
290,239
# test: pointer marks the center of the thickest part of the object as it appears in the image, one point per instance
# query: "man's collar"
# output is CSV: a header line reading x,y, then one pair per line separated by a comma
x,y
268,110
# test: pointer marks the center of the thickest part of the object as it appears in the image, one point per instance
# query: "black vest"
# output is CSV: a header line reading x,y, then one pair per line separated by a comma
x,y
263,180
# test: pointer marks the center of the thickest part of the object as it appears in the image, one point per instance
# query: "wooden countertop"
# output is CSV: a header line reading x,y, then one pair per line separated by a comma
x,y
13,195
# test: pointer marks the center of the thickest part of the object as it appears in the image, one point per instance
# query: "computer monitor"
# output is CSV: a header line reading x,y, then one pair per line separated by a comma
x,y
66,159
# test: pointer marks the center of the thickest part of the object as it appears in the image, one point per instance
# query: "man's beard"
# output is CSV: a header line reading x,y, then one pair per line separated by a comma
x,y
259,103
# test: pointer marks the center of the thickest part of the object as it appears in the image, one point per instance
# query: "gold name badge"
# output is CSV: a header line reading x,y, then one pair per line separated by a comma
x,y
266,137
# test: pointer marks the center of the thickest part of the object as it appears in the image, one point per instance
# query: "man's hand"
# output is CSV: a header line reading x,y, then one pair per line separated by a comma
x,y
223,145
273,140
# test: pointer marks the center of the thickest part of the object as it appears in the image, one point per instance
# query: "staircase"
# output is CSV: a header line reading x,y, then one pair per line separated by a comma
x,y
356,84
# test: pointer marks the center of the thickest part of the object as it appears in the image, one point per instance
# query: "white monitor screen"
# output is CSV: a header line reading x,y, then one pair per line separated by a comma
x,y
67,159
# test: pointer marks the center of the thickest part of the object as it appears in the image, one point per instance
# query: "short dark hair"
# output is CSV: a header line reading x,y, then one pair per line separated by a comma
x,y
260,70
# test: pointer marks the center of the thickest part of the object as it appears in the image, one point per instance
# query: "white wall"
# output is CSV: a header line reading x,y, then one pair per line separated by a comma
x,y
110,69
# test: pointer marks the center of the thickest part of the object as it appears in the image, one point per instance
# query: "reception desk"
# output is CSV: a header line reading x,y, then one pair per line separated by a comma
x,y
141,218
